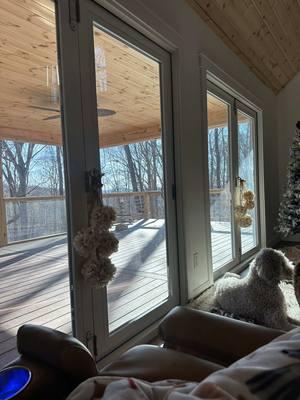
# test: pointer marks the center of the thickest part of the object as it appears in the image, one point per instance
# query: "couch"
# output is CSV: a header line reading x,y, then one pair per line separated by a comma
x,y
195,344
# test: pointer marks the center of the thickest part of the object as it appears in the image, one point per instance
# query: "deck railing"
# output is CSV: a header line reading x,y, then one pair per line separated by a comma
x,y
39,216
136,205
33,217
220,205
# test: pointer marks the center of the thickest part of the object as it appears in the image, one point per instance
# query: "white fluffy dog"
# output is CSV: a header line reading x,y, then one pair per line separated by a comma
x,y
258,296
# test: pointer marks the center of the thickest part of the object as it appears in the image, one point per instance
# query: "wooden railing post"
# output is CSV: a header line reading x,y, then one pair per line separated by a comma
x,y
3,225
147,213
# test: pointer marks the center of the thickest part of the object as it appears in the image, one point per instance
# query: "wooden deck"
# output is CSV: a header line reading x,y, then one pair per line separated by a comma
x,y
222,243
34,280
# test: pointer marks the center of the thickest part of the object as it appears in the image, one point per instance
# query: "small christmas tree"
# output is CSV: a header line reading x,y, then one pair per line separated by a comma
x,y
289,210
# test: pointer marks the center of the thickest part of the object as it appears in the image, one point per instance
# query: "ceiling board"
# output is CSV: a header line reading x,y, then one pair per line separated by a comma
x,y
28,48
263,33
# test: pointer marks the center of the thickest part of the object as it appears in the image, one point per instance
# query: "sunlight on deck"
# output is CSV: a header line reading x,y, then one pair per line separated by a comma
x,y
35,282
222,242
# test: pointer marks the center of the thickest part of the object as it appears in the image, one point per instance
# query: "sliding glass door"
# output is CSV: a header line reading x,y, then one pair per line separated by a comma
x,y
220,181
132,160
126,93
246,120
232,174
35,284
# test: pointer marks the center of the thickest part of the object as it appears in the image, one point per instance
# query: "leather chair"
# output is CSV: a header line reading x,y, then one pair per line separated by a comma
x,y
58,362
195,344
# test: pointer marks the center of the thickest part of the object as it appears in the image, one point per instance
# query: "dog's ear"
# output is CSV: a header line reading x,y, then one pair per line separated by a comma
x,y
297,281
265,266
287,269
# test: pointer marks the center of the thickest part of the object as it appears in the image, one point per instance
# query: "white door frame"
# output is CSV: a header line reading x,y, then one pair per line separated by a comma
x,y
75,163
80,105
234,106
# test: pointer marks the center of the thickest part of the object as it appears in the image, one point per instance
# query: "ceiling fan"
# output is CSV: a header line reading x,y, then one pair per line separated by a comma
x,y
101,112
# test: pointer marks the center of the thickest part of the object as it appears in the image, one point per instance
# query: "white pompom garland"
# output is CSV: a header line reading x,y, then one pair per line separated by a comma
x,y
96,243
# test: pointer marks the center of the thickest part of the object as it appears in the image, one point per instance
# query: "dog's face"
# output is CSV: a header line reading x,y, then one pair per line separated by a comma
x,y
272,266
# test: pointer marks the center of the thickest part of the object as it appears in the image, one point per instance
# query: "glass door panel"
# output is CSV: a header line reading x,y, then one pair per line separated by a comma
x,y
220,187
247,171
131,157
232,155
34,273
127,107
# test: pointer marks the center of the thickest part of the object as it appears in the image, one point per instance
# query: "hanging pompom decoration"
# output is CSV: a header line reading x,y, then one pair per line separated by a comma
x,y
249,205
96,243
248,195
102,217
98,271
246,202
245,221
85,241
240,211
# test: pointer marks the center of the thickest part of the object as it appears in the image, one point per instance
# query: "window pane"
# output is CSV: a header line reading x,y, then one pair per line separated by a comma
x,y
128,97
219,181
246,132
34,273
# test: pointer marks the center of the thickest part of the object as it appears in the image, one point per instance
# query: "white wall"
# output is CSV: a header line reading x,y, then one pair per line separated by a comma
x,y
178,23
288,113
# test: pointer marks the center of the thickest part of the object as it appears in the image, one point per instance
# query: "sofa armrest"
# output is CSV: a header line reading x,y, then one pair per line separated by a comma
x,y
213,337
58,350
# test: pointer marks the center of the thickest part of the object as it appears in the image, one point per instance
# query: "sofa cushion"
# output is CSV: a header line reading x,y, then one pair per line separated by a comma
x,y
154,363
270,372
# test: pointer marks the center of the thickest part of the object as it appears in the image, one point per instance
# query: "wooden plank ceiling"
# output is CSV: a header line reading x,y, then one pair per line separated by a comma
x,y
128,81
28,112
265,34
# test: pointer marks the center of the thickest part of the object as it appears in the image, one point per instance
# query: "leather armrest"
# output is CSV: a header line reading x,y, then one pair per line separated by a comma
x,y
219,339
46,383
153,363
57,350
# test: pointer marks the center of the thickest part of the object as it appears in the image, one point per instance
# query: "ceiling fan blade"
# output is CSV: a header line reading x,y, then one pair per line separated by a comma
x,y
44,108
101,112
51,117
105,112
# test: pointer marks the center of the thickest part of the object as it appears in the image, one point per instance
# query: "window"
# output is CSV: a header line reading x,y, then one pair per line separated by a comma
x,y
232,173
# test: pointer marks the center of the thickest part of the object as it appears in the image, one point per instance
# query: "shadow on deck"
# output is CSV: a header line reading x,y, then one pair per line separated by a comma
x,y
34,282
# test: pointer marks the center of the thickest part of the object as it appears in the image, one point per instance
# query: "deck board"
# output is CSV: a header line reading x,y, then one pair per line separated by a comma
x,y
221,239
34,281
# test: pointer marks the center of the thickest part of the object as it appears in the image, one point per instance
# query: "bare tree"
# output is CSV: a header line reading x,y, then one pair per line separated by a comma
x,y
51,174
136,167
28,169
131,167
17,158
60,170
218,158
